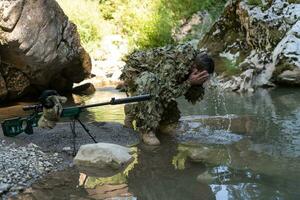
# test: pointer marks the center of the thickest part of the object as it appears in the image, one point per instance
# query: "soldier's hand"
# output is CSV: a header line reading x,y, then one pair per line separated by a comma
x,y
198,77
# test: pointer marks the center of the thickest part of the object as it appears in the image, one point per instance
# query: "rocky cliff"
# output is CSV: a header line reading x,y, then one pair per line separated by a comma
x,y
39,48
262,38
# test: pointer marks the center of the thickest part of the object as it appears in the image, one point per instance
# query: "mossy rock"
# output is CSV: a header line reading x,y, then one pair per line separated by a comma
x,y
294,1
255,2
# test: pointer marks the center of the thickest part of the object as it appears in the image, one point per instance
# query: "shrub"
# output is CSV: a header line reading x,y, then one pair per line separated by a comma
x,y
149,23
145,23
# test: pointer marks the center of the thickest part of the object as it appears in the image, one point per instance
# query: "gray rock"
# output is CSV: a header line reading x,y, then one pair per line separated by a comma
x,y
193,27
40,47
3,90
290,77
4,187
265,38
85,89
103,159
286,57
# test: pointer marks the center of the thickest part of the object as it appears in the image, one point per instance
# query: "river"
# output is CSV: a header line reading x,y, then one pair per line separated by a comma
x,y
228,146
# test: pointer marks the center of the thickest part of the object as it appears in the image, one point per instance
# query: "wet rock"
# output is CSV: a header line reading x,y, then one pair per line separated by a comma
x,y
40,46
103,159
265,38
244,154
287,57
205,153
212,129
205,177
85,89
290,77
194,27
226,33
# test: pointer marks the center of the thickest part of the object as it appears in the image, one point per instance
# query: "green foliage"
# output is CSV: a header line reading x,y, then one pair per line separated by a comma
x,y
85,14
231,68
264,6
149,23
145,23
255,2
185,8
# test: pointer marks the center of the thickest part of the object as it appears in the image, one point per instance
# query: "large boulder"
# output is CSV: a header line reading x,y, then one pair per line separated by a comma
x,y
287,56
262,39
39,47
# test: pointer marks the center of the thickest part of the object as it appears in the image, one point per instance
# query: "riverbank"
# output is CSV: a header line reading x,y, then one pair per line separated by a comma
x,y
28,158
21,165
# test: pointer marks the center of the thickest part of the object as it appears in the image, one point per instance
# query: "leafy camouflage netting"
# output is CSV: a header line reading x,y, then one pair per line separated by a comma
x,y
52,115
162,72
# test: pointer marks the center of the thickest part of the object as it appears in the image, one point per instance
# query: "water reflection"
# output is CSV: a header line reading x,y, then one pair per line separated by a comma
x,y
242,156
244,136
268,117
156,178
110,113
107,187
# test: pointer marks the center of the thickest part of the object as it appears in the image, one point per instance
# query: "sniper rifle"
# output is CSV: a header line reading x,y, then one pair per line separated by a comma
x,y
14,126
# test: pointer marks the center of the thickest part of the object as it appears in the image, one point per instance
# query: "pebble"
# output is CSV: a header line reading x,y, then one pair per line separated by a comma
x,y
67,149
4,187
20,166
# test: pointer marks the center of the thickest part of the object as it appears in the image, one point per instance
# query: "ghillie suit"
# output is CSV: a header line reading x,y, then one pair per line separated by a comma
x,y
52,108
161,72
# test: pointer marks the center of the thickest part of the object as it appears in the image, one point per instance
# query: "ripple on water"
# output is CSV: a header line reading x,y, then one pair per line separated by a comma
x,y
195,131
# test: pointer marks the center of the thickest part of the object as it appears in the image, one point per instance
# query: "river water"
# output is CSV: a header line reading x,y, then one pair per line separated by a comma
x,y
228,146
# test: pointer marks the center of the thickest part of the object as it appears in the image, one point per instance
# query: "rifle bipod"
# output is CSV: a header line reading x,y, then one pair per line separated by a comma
x,y
72,126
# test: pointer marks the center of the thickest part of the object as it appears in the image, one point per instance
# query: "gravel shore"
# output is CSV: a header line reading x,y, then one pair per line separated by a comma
x,y
27,158
20,166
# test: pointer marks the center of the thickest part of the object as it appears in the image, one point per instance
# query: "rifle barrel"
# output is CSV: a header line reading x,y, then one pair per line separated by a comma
x,y
114,101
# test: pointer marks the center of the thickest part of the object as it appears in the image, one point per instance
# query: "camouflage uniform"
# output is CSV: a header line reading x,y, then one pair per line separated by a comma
x,y
161,72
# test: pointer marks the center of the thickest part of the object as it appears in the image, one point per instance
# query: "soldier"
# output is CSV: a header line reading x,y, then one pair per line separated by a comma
x,y
165,73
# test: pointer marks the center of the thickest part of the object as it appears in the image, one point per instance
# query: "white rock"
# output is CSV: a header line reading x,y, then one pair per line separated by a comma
x,y
103,159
